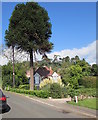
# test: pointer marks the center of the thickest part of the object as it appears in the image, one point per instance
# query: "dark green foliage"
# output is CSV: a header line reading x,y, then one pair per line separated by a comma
x,y
86,92
38,93
72,92
6,81
94,70
88,81
20,75
82,91
73,75
55,90
26,86
64,92
29,30
41,93
47,87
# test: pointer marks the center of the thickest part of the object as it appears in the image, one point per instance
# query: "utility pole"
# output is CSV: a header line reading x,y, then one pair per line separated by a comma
x,y
13,68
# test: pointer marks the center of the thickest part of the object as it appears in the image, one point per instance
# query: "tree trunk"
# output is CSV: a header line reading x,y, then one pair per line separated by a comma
x,y
31,71
13,67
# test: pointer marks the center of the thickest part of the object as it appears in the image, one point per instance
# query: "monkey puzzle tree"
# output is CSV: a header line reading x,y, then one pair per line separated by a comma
x,y
32,28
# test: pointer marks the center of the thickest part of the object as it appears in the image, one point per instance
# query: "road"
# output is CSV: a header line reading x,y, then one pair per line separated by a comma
x,y
23,107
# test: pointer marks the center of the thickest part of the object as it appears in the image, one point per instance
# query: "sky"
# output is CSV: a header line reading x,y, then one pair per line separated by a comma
x,y
73,26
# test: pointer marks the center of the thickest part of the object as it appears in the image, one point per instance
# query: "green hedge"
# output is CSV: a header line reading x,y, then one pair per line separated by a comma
x,y
55,91
82,91
87,92
38,93
88,81
26,86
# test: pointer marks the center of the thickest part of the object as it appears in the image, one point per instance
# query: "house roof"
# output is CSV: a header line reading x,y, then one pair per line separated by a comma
x,y
44,71
28,73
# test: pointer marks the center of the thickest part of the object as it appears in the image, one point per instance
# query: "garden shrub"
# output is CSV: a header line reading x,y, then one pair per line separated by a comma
x,y
50,81
64,92
88,81
55,90
26,86
71,92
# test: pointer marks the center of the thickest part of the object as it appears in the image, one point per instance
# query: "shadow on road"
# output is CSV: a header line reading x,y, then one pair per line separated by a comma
x,y
8,108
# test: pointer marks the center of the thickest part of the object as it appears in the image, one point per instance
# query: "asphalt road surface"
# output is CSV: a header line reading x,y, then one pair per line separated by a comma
x,y
23,107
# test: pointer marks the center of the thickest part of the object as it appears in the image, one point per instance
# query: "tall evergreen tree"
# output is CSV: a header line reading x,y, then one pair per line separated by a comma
x,y
32,28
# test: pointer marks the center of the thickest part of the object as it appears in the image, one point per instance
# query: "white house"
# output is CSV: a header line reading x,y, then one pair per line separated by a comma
x,y
56,76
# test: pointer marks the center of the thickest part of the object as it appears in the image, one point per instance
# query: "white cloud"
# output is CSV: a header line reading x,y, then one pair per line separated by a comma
x,y
88,52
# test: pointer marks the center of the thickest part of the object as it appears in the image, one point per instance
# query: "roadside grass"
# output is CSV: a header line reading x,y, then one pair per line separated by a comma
x,y
89,103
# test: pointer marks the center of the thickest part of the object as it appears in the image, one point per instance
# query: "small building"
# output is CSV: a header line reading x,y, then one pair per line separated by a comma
x,y
42,73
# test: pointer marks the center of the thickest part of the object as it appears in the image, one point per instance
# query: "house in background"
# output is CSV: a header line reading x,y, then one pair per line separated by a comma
x,y
28,75
42,73
56,76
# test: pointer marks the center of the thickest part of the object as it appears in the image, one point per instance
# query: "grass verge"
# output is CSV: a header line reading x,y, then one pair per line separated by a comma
x,y
89,103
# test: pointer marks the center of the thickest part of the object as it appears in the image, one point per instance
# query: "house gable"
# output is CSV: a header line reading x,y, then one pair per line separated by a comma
x,y
44,71
37,79
36,74
55,77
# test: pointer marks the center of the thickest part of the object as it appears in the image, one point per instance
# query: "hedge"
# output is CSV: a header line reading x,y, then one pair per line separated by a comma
x,y
26,86
88,81
88,92
38,93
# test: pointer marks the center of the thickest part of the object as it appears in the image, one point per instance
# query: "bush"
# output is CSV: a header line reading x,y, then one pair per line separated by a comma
x,y
46,82
26,86
38,93
64,92
72,92
87,92
91,92
88,81
46,87
55,90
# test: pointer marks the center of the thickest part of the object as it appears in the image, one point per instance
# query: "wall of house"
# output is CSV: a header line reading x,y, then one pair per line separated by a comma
x,y
37,79
55,77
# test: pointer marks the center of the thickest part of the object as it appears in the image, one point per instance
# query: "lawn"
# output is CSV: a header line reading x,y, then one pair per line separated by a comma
x,y
89,103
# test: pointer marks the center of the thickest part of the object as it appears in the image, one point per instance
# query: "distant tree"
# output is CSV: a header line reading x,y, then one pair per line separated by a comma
x,y
31,28
77,57
94,70
56,58
67,59
73,61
